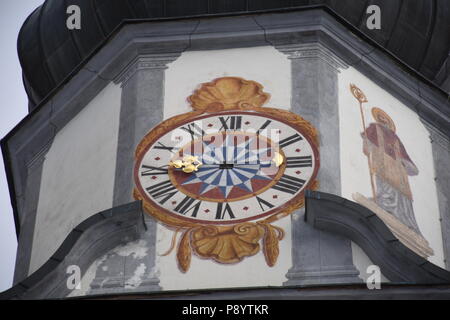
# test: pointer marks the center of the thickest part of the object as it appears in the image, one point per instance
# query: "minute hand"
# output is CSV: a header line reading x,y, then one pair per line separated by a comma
x,y
278,160
227,165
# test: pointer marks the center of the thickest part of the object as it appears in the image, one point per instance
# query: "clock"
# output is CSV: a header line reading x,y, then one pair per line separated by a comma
x,y
226,166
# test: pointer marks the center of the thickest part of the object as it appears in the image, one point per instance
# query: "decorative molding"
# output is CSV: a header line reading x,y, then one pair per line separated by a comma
x,y
322,275
443,76
335,292
29,202
437,136
396,261
39,157
146,62
312,51
84,244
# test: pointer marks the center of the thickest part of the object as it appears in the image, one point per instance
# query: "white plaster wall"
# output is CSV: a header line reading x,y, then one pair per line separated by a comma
x,y
265,65
362,262
78,173
136,249
415,137
272,69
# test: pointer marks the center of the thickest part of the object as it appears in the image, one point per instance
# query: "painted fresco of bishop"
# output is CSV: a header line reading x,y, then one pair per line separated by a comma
x,y
391,166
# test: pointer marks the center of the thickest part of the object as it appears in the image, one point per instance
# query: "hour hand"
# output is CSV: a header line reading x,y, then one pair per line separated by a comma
x,y
226,165
188,164
278,159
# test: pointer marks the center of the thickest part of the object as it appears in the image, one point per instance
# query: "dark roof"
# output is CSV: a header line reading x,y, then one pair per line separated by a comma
x,y
417,32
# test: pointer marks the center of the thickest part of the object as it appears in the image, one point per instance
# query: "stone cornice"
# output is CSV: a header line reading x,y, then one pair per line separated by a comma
x,y
145,62
39,157
437,137
397,262
312,51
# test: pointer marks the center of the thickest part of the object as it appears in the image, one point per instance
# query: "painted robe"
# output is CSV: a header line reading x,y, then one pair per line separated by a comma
x,y
391,166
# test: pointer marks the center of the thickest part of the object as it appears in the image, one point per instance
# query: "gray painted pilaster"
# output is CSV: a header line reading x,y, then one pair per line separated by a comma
x,y
25,241
441,156
318,257
142,108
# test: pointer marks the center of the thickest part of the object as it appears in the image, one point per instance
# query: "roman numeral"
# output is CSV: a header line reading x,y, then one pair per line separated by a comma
x,y
223,208
194,130
247,150
265,125
188,205
231,123
299,162
263,203
289,184
163,147
290,140
164,190
153,170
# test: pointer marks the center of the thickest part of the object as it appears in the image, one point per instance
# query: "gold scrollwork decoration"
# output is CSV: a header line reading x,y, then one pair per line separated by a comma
x,y
358,93
227,244
228,93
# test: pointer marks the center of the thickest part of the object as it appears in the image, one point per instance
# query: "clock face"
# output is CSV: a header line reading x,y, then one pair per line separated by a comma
x,y
252,166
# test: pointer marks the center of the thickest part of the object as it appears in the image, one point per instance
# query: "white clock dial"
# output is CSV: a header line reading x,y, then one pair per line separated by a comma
x,y
238,179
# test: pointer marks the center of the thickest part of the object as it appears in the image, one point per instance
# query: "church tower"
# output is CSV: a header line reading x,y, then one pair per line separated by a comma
x,y
207,145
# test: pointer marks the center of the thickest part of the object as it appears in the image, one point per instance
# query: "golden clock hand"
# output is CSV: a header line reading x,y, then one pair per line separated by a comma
x,y
278,159
252,164
189,168
176,164
236,165
188,164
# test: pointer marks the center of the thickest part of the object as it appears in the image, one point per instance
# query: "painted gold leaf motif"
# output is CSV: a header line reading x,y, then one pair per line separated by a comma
x,y
184,251
228,93
227,244
271,249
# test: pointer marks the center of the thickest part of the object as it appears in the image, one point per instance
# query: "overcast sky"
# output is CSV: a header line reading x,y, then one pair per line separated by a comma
x,y
13,108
